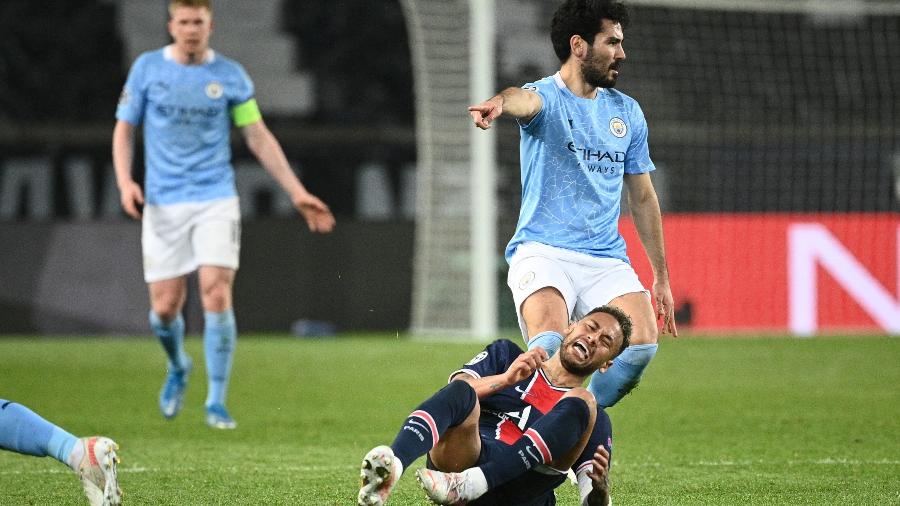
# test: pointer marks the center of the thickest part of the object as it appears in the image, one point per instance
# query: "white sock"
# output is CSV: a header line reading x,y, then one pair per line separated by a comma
x,y
476,483
76,456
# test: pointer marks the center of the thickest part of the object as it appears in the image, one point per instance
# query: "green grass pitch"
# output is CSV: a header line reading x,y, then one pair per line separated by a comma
x,y
716,421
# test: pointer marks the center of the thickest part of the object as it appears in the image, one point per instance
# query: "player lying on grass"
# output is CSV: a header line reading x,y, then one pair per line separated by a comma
x,y
94,458
509,425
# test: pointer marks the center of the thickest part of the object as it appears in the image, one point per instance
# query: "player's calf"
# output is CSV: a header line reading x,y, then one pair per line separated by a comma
x,y
625,373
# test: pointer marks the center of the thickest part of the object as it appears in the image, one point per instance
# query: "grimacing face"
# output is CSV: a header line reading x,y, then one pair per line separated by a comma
x,y
590,344
191,27
600,67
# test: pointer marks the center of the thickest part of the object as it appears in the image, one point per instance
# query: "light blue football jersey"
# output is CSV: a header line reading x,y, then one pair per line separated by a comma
x,y
185,111
574,154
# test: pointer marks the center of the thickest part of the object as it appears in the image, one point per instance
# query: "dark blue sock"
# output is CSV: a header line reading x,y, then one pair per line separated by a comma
x,y
449,407
550,437
24,431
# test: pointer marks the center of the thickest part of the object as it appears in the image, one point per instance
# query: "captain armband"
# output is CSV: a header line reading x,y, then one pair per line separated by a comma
x,y
246,113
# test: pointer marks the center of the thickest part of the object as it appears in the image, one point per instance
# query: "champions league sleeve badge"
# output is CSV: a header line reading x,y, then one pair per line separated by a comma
x,y
618,127
478,358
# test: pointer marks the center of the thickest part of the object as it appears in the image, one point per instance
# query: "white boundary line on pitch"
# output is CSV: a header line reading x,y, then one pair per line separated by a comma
x,y
301,469
737,463
139,470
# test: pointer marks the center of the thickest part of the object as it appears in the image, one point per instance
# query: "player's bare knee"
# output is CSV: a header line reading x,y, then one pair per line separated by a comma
x,y
645,334
216,297
166,307
545,310
585,395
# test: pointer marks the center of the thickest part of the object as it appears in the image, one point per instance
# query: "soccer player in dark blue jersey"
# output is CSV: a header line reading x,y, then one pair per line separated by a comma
x,y
188,97
582,143
509,425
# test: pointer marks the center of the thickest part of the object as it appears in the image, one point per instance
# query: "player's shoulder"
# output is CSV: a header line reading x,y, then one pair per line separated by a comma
x,y
501,351
505,345
152,56
624,100
227,63
543,84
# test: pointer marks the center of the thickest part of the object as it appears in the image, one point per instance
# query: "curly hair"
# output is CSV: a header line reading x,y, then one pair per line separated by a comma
x,y
583,18
624,323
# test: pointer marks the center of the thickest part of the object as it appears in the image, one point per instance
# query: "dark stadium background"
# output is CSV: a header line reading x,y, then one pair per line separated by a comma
x,y
69,260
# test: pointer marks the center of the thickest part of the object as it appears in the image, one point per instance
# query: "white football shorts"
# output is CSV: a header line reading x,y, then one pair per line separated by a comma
x,y
585,282
178,238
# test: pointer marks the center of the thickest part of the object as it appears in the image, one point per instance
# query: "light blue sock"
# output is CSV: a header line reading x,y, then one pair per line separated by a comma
x,y
219,339
24,431
548,340
608,388
171,337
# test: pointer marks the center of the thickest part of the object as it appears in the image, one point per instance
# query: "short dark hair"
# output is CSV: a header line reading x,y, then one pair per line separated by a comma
x,y
199,4
584,18
624,323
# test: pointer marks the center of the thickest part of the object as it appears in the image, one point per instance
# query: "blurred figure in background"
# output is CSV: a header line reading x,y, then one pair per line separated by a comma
x,y
187,96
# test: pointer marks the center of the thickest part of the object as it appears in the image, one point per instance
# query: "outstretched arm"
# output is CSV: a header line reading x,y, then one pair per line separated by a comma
x,y
130,193
516,102
522,367
647,217
267,150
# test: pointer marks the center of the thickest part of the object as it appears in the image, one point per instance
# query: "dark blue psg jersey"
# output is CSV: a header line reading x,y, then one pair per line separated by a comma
x,y
508,413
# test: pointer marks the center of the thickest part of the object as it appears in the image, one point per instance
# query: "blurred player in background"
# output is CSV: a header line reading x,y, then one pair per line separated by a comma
x,y
187,96
94,458
580,140
509,425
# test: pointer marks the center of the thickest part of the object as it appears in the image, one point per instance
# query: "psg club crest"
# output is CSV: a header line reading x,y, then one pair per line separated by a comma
x,y
214,90
618,127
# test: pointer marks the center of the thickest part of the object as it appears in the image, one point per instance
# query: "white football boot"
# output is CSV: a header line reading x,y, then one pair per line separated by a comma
x,y
379,473
97,471
447,489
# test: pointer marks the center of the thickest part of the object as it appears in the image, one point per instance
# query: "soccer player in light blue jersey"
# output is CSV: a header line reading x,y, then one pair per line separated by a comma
x,y
93,459
581,143
187,96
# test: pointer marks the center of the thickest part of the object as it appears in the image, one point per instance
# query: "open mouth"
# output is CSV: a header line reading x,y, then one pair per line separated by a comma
x,y
580,349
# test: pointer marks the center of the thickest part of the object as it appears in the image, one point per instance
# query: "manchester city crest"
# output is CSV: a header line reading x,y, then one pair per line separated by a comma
x,y
526,279
214,90
618,127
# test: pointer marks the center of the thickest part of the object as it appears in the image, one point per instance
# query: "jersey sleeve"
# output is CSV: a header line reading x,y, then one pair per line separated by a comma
x,y
242,106
602,434
548,99
134,93
494,359
637,158
244,86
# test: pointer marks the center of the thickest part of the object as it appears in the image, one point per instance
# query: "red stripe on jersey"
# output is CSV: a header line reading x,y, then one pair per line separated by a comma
x,y
541,394
431,425
540,444
508,432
